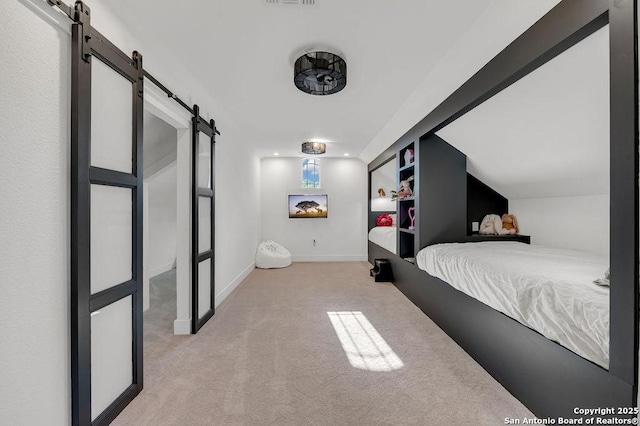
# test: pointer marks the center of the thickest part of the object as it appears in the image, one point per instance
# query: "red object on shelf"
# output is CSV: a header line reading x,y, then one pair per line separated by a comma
x,y
384,220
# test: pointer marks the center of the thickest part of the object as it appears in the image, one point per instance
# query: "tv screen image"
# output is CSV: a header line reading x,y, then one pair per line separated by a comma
x,y
308,206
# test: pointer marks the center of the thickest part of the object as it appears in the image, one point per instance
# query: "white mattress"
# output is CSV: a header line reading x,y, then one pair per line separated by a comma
x,y
549,290
385,237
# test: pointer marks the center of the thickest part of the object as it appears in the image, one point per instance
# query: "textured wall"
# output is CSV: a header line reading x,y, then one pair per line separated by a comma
x,y
34,217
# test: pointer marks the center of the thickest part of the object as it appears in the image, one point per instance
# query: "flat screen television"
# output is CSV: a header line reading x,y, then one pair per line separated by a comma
x,y
309,206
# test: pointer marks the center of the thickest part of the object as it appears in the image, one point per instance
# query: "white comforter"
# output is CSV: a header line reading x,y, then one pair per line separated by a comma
x,y
549,290
385,237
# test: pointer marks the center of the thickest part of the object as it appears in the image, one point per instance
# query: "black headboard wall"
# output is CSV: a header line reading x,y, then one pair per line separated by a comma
x,y
481,201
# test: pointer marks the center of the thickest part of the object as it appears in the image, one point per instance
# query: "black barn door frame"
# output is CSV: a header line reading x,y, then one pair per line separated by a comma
x,y
88,45
198,125
88,42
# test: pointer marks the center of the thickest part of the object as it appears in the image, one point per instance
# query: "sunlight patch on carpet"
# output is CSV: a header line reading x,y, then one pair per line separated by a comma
x,y
362,343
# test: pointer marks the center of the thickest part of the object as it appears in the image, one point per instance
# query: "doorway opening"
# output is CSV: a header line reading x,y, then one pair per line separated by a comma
x,y
160,258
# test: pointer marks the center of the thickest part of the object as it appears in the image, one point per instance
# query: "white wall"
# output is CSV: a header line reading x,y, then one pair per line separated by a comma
x,y
384,177
34,217
237,211
518,141
34,200
342,236
579,223
162,222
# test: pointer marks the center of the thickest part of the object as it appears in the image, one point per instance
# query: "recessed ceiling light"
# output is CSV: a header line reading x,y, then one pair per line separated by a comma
x,y
346,154
276,153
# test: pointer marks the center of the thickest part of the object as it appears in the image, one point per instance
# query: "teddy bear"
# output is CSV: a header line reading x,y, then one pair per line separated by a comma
x,y
492,225
405,188
510,223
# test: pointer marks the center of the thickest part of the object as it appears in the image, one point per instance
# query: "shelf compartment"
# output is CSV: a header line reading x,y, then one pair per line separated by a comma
x,y
404,157
404,221
406,245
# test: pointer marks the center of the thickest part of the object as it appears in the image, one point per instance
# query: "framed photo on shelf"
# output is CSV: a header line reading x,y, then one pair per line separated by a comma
x,y
309,206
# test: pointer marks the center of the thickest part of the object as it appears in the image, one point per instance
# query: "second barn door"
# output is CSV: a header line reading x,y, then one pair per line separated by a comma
x,y
202,220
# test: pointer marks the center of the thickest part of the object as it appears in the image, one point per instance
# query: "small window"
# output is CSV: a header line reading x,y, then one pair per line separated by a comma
x,y
310,173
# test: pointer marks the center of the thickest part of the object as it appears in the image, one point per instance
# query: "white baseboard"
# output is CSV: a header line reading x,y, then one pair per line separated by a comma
x,y
161,269
182,326
234,283
329,258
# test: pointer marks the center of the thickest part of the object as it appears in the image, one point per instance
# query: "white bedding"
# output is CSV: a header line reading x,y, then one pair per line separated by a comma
x,y
385,237
549,290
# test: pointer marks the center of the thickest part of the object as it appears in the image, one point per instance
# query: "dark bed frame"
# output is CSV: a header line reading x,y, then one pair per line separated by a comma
x,y
548,378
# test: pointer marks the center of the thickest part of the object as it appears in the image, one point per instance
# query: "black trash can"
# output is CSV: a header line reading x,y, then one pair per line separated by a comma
x,y
381,271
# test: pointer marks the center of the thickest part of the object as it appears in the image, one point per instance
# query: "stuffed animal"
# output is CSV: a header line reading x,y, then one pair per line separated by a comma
x,y
408,156
384,220
510,222
492,225
405,188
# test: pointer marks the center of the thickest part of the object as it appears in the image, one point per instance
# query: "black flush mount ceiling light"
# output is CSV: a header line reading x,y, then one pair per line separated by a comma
x,y
314,148
320,73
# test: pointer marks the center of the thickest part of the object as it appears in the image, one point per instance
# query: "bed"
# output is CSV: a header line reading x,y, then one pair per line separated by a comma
x,y
385,237
549,290
550,379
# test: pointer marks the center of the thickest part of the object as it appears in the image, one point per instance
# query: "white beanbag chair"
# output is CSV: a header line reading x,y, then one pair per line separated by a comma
x,y
272,255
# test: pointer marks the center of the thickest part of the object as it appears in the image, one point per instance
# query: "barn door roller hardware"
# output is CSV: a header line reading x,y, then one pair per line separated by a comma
x,y
80,14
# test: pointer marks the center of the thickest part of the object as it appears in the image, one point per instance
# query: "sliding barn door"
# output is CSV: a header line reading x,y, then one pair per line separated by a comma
x,y
106,226
203,230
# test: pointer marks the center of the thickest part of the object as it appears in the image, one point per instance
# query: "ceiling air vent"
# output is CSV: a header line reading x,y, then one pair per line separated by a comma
x,y
292,2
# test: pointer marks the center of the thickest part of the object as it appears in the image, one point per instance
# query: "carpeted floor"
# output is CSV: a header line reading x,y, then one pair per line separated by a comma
x,y
158,319
317,344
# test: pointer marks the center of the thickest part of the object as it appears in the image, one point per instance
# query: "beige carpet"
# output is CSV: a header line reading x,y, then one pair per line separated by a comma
x,y
158,319
271,356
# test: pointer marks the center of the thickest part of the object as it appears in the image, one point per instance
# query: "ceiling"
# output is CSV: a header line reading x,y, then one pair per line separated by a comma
x,y
242,53
547,135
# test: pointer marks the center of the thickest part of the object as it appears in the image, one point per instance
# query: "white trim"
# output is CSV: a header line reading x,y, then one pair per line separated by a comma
x,y
182,326
145,244
183,230
159,104
234,283
161,269
354,258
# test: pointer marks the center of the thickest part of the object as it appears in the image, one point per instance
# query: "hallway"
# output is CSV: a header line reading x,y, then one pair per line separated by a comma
x,y
274,353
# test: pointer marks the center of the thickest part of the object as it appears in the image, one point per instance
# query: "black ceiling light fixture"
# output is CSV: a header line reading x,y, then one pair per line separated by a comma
x,y
314,148
320,73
